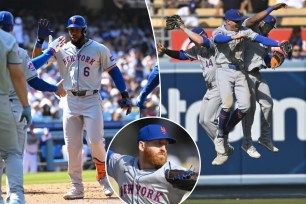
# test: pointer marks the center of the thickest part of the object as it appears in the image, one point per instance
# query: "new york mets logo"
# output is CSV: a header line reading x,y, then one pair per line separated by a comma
x,y
238,13
73,20
163,130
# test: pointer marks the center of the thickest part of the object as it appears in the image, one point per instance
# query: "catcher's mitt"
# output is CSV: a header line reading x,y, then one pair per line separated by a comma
x,y
184,180
277,59
173,22
286,47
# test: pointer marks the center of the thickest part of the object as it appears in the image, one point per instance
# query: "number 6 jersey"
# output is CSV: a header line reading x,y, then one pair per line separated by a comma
x,y
82,68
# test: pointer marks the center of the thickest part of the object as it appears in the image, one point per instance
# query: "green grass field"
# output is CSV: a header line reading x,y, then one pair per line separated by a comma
x,y
54,177
89,175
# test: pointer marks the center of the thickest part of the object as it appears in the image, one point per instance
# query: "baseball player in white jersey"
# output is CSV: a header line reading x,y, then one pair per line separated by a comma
x,y
259,89
230,40
7,21
81,62
10,69
142,179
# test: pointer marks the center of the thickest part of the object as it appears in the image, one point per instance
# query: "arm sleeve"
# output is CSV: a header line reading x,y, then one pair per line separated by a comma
x,y
153,82
41,85
176,54
266,41
39,61
220,38
206,42
118,78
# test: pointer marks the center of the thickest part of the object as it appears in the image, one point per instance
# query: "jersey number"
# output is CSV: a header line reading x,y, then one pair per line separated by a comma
x,y
86,71
209,63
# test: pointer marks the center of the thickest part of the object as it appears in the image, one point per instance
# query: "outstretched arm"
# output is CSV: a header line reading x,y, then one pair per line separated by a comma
x,y
266,41
201,40
261,15
172,53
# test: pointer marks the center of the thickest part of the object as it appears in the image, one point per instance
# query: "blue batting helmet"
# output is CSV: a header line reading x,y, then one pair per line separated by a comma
x,y
6,21
77,21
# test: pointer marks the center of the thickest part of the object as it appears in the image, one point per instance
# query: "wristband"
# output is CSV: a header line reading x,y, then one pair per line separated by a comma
x,y
270,9
40,40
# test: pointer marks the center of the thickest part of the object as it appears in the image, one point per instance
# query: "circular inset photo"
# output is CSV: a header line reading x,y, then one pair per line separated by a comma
x,y
153,160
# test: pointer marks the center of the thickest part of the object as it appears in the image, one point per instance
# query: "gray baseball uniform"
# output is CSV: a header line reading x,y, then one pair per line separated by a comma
x,y
143,186
211,102
82,70
8,129
17,108
230,73
259,89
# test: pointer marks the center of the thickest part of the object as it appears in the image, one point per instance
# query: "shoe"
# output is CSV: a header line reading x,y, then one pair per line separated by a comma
x,y
219,145
222,158
269,145
73,194
108,191
251,151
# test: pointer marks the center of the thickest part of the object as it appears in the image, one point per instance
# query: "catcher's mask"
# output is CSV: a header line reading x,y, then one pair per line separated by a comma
x,y
77,21
6,21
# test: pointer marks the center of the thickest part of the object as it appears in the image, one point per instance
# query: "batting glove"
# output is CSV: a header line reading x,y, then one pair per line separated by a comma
x,y
125,102
55,45
26,114
43,30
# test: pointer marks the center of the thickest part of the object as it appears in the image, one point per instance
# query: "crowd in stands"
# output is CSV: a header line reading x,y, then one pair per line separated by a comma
x,y
130,41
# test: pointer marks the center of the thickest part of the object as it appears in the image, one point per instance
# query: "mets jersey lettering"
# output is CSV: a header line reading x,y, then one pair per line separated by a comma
x,y
83,58
82,68
141,190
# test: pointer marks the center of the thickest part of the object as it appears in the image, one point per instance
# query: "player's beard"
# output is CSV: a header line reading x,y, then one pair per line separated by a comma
x,y
78,43
156,160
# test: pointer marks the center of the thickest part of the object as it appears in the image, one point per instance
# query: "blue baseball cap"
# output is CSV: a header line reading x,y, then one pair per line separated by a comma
x,y
271,20
154,132
233,15
199,30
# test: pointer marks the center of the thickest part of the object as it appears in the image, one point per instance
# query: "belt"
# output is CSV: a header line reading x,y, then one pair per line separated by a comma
x,y
84,93
229,66
211,84
32,153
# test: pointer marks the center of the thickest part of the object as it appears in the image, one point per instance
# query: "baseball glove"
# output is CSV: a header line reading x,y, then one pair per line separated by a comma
x,y
184,180
173,22
286,47
277,59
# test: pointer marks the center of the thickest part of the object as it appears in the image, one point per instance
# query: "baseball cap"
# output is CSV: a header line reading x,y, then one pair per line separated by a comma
x,y
199,30
154,132
233,15
271,20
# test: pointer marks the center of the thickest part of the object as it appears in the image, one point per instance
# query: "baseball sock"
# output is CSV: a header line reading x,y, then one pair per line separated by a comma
x,y
235,118
100,169
223,119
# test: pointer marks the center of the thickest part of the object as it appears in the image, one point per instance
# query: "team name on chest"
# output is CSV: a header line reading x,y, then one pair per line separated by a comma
x,y
144,191
79,57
